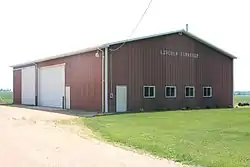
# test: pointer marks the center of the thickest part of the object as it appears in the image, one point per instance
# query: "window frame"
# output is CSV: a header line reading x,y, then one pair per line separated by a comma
x,y
170,86
206,87
193,91
149,86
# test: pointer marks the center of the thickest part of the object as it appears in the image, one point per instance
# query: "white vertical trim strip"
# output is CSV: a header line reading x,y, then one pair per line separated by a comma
x,y
38,86
67,97
106,81
102,82
64,86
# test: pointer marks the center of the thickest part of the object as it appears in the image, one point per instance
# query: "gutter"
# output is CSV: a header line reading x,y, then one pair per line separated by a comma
x,y
102,78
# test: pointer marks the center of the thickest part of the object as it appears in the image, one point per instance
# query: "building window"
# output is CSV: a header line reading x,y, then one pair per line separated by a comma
x,y
149,91
189,91
207,91
170,91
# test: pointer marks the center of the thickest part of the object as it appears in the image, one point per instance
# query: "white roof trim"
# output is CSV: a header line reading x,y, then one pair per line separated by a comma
x,y
61,55
127,40
208,44
173,32
144,37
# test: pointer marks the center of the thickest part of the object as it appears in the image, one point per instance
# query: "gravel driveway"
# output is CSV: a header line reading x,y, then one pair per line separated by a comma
x,y
29,138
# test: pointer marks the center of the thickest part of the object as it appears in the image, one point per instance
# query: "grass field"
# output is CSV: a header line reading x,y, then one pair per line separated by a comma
x,y
6,97
206,137
241,98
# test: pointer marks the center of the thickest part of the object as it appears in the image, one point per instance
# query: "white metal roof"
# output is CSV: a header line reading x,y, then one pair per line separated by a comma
x,y
59,56
127,40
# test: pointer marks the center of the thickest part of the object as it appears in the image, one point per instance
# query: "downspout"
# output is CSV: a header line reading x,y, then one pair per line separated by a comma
x,y
102,80
106,81
111,82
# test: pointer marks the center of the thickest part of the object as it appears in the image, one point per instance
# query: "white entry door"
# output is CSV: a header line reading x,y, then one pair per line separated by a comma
x,y
121,98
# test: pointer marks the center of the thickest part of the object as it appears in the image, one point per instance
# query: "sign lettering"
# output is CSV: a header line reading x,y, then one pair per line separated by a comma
x,y
169,52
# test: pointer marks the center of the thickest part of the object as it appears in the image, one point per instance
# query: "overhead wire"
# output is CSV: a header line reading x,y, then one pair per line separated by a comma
x,y
137,25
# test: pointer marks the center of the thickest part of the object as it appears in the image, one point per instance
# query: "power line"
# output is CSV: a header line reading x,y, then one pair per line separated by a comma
x,y
137,25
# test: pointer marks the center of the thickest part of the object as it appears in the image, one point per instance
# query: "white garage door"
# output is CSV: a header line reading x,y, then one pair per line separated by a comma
x,y
51,85
28,85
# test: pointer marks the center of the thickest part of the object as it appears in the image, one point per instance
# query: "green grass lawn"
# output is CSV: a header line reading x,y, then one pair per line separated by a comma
x,y
241,98
6,97
218,138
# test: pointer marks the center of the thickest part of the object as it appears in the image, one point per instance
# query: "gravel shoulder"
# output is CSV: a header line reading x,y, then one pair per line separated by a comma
x,y
31,138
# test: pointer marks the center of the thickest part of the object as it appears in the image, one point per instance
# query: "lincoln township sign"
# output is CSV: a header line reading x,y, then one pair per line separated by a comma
x,y
169,52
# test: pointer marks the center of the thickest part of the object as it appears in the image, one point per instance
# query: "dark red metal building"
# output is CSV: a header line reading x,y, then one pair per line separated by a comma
x,y
159,72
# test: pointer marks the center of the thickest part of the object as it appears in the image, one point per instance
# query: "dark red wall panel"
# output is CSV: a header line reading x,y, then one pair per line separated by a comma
x,y
17,86
140,63
83,75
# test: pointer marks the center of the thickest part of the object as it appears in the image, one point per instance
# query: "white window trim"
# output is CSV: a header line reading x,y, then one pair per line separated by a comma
x,y
210,87
169,86
148,97
193,91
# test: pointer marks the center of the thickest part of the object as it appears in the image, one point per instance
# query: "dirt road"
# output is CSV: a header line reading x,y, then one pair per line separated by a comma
x,y
30,138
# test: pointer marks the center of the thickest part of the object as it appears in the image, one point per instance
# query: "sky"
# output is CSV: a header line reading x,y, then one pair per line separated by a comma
x,y
33,29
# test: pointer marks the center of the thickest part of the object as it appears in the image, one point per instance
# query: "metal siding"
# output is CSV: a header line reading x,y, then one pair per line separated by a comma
x,y
83,76
218,74
17,86
28,85
140,63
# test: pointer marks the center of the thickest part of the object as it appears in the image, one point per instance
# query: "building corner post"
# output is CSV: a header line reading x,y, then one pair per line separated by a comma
x,y
106,80
102,80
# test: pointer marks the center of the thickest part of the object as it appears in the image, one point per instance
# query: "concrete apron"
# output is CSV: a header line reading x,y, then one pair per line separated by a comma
x,y
80,113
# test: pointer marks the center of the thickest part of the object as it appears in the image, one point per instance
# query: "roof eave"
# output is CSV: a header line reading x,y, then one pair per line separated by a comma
x,y
127,40
60,56
209,44
144,37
